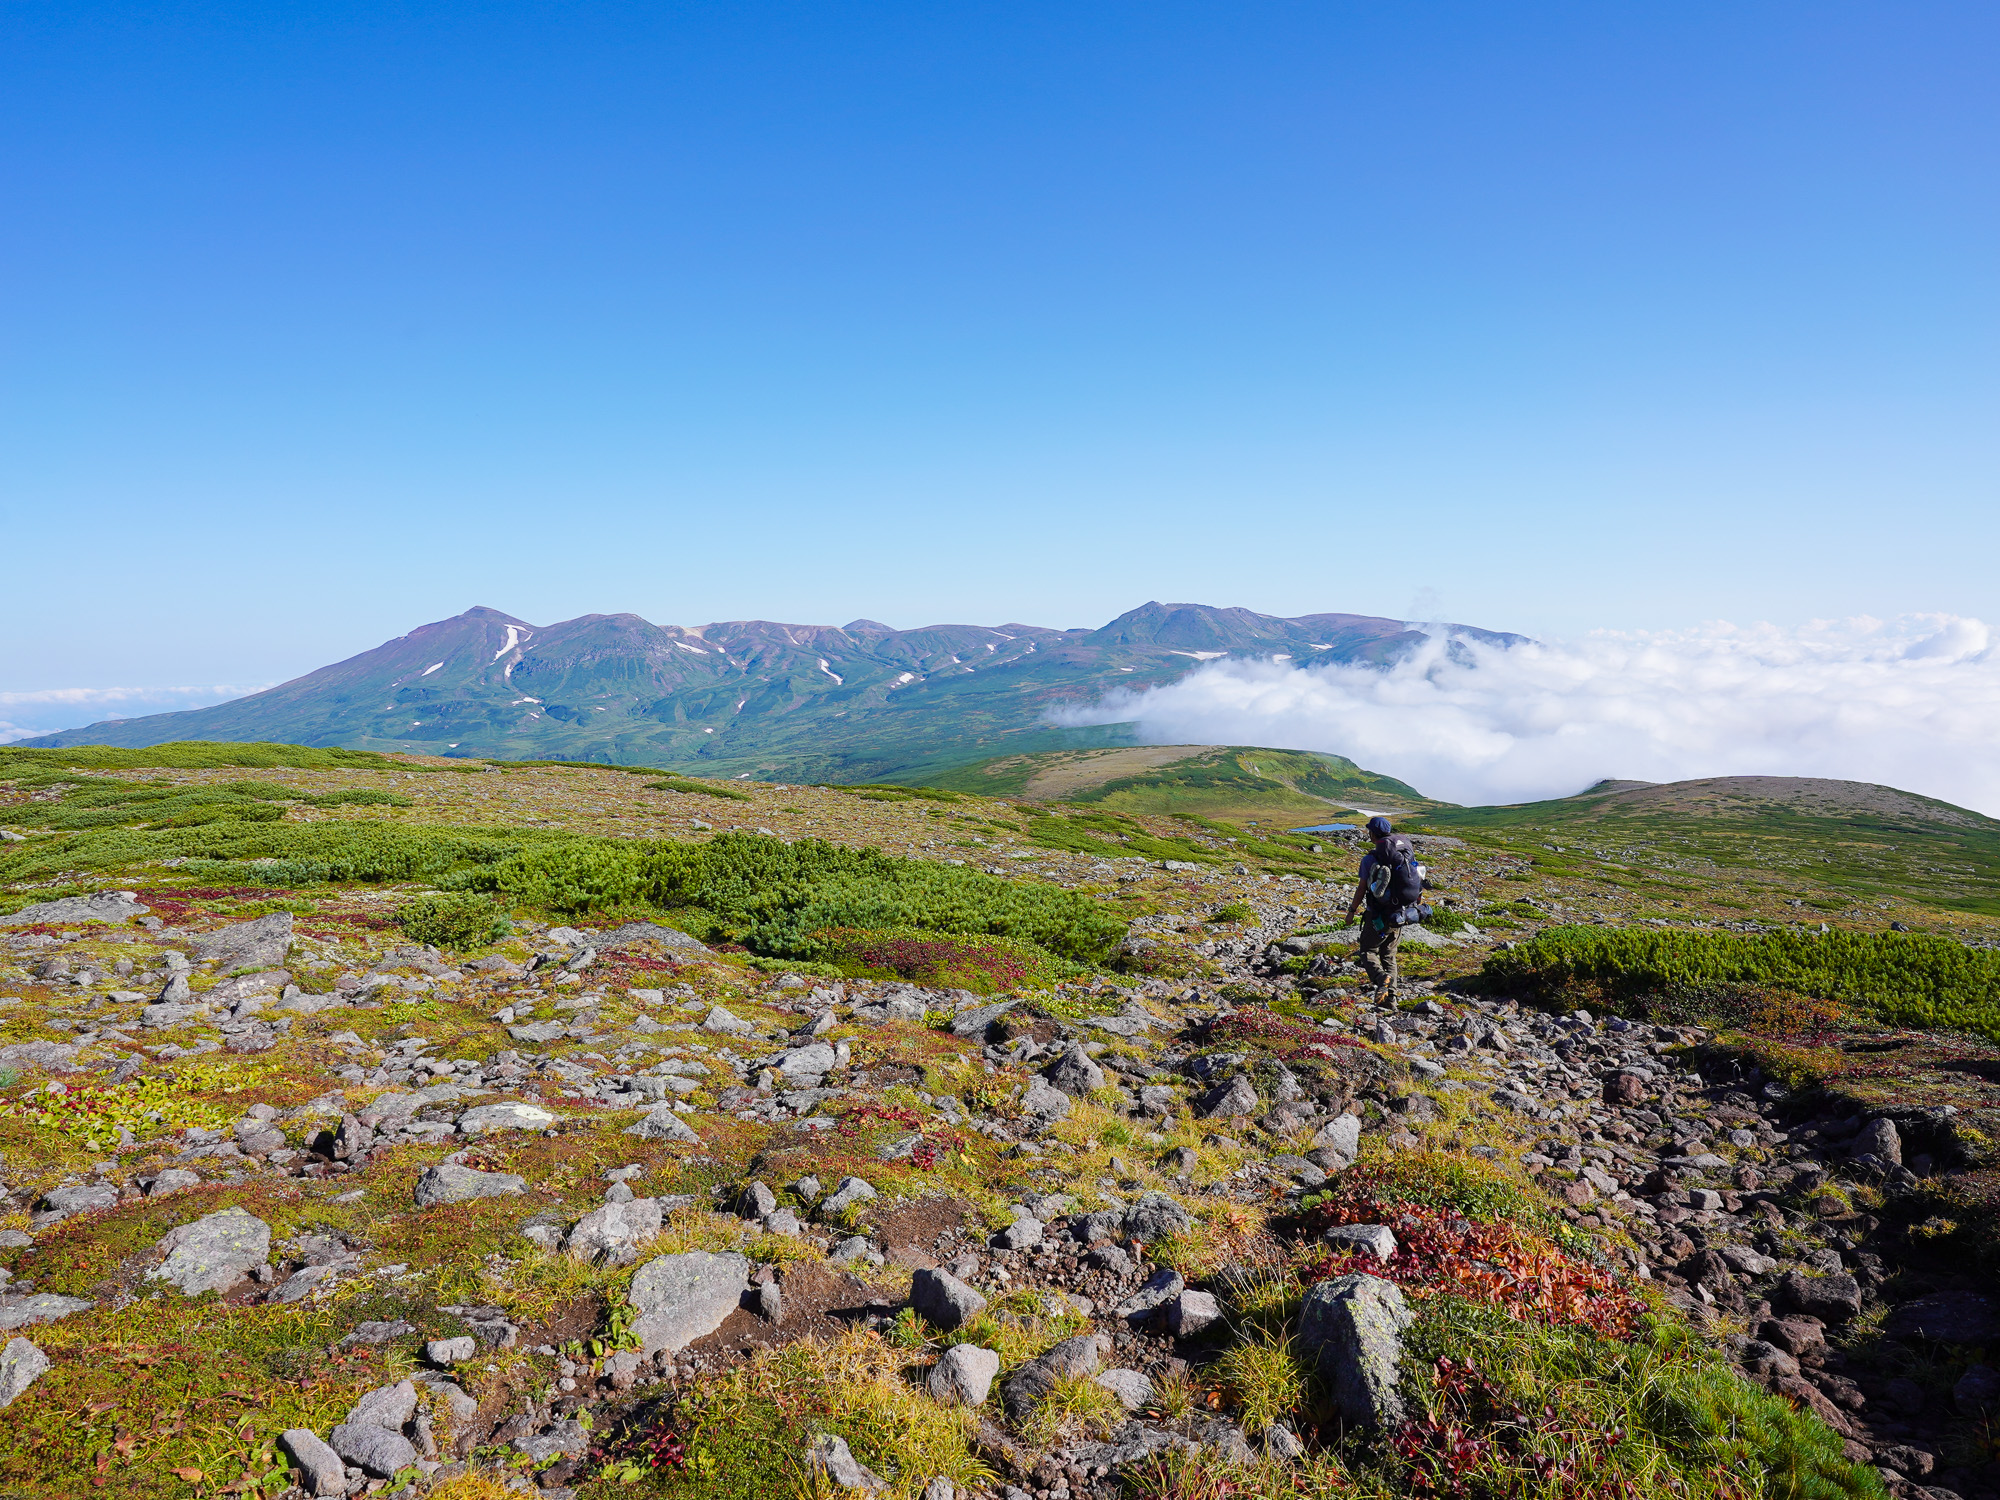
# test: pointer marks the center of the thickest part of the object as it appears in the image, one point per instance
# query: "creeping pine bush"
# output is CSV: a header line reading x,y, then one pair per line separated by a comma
x,y
779,898
99,802
1906,978
454,919
195,755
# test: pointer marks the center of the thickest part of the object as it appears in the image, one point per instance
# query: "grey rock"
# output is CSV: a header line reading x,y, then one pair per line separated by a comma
x,y
975,1022
770,1303
1155,1216
1190,1313
387,1406
1022,1234
1879,1138
376,1451
1282,1444
854,1247
757,1202
612,1235
963,1375
782,1221
1227,1442
446,1183
1160,1289
1832,1299
1229,1101
21,1365
1978,1390
1028,1386
1074,1073
848,1192
1132,1388
1158,1099
214,1253
100,906
162,1017
1045,1103
722,1021
453,1351
320,1467
797,1063
940,1488
829,1455
643,932
564,1440
664,1124
943,1301
42,1307
1378,1240
509,1115
1342,1136
79,1198
682,1297
303,1282
538,1031
1352,1328
262,942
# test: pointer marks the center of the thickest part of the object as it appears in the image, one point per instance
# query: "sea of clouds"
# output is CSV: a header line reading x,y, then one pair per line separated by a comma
x,y
1911,703
24,715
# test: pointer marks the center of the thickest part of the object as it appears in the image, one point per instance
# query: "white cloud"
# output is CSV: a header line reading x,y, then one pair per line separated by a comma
x,y
24,715
1912,703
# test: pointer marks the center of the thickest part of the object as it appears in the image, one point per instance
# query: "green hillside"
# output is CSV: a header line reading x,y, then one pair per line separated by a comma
x,y
1852,840
1234,783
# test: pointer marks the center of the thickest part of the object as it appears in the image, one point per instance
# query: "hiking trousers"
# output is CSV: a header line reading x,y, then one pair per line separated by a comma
x,y
1379,942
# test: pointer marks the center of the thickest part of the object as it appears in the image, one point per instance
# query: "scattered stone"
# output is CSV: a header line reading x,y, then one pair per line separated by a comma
x,y
1352,1328
1341,1137
21,1365
1022,1234
511,1115
943,1301
42,1307
1156,1217
1161,1288
846,1193
663,1123
1378,1240
214,1253
376,1451
1026,1388
1190,1313
612,1235
1880,1139
101,906
262,943
828,1455
1074,1073
963,1375
1969,1318
1228,1101
1045,1103
447,1183
681,1297
1833,1299
1132,1388
320,1467
452,1351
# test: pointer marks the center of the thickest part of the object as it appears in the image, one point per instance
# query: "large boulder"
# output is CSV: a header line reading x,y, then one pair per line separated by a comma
x,y
21,1365
943,1301
1155,1216
101,906
1030,1385
320,1469
508,1115
448,1183
262,943
1352,1328
1969,1318
1341,1138
1831,1299
42,1307
1044,1104
376,1451
612,1235
679,1298
214,1253
1229,1101
663,1123
1879,1139
964,1374
1074,1073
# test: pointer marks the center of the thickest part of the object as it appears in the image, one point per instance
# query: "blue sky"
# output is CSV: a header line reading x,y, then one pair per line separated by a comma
x,y
318,322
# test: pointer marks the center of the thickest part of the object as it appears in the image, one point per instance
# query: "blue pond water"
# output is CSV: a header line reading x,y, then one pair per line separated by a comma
x,y
1328,828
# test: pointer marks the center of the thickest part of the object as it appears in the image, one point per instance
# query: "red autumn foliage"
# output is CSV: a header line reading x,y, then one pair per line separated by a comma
x,y
1498,1263
1284,1037
930,1144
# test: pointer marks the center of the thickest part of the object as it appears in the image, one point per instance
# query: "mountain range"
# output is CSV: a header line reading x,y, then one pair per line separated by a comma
x,y
856,702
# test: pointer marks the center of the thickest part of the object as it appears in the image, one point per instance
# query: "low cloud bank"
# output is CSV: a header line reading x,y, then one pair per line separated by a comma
x,y
45,710
1912,703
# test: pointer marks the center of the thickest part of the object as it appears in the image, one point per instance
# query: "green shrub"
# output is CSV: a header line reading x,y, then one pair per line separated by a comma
x,y
888,792
1906,978
699,789
198,755
779,899
455,919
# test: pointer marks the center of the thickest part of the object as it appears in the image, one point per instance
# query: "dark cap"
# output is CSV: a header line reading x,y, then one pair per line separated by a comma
x,y
1378,828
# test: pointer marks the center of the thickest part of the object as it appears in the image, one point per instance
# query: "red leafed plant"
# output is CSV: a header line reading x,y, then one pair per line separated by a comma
x,y
1480,1442
1498,1263
1283,1036
931,1145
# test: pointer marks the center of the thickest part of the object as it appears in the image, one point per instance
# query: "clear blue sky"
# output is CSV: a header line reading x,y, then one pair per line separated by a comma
x,y
317,322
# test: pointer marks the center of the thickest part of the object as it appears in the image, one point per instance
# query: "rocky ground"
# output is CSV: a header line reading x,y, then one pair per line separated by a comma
x,y
295,1206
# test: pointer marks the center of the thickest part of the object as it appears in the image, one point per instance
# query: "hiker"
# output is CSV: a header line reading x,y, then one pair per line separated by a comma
x,y
1392,885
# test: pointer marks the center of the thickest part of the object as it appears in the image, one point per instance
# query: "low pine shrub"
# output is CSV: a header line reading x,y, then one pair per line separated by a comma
x,y
1911,979
197,755
453,919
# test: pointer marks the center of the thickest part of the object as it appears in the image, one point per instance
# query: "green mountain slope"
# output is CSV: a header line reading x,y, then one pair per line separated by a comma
x,y
860,702
1233,782
1851,838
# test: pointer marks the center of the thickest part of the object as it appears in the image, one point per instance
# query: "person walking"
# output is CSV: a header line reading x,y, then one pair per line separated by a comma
x,y
1391,886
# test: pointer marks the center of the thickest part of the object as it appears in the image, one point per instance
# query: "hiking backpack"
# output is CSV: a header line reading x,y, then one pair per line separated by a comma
x,y
1396,885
